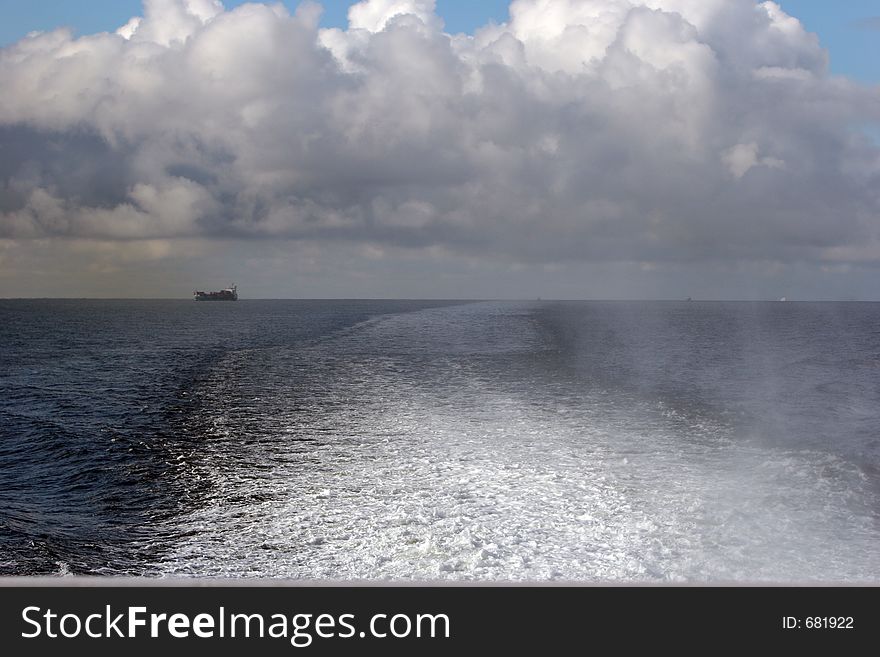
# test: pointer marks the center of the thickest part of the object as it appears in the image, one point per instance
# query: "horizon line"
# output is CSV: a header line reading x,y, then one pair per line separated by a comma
x,y
460,299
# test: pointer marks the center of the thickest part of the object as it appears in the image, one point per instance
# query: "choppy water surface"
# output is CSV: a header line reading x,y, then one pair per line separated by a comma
x,y
419,440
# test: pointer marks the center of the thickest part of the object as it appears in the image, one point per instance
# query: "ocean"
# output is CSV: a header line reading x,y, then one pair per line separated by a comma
x,y
403,440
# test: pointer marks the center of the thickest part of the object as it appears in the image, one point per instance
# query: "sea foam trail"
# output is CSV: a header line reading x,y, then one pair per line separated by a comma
x,y
458,443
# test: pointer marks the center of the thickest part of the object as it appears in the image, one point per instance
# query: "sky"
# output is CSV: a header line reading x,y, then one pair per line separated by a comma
x,y
719,149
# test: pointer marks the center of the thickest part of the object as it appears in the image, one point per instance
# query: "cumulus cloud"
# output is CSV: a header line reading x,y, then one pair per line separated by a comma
x,y
374,15
587,130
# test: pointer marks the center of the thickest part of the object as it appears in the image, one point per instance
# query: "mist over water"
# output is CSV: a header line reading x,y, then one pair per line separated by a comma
x,y
406,440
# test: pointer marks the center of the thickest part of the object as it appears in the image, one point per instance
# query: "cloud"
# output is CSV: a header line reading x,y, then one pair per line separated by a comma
x,y
374,15
580,130
744,157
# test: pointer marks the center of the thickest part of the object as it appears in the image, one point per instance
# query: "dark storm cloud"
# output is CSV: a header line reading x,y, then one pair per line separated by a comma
x,y
657,130
79,165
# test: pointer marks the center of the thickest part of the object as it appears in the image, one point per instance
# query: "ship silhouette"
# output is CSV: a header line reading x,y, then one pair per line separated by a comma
x,y
229,294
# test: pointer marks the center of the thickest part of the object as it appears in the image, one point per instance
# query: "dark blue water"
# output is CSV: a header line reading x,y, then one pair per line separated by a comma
x,y
101,416
425,440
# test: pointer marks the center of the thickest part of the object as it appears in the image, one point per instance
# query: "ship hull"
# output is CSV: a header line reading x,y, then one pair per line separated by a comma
x,y
230,294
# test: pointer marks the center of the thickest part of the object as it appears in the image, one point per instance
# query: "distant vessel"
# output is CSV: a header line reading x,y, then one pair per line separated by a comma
x,y
229,294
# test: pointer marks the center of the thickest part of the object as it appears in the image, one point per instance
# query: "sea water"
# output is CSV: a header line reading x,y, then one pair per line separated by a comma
x,y
490,441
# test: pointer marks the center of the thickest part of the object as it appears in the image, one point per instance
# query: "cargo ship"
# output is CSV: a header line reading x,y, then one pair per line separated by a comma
x,y
229,294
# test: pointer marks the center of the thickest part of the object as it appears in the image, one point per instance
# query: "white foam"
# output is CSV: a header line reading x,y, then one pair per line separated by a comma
x,y
446,472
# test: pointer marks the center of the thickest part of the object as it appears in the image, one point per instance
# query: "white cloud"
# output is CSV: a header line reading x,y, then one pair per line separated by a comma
x,y
128,30
171,22
373,15
580,130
